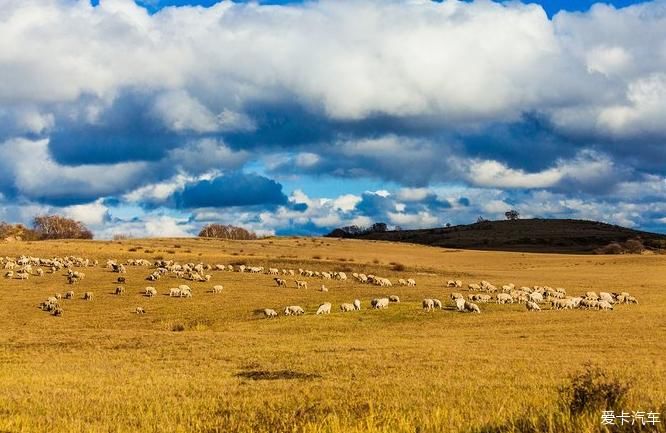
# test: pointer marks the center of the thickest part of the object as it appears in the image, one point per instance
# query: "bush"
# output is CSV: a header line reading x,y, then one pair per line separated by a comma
x,y
16,232
612,248
226,232
398,267
593,390
634,246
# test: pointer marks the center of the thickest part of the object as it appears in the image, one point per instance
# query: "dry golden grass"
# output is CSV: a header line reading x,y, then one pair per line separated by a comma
x,y
102,368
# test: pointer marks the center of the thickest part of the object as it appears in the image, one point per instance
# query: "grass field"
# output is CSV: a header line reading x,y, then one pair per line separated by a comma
x,y
102,368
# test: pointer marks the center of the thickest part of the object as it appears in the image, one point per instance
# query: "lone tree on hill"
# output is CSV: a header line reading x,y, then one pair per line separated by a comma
x,y
226,232
59,227
512,215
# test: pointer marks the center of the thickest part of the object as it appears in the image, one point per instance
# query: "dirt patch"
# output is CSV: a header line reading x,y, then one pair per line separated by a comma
x,y
277,375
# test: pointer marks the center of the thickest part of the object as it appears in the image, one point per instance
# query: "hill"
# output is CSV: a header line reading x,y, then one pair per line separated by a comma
x,y
527,235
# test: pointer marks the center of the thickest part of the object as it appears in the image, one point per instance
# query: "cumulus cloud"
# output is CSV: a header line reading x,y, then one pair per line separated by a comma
x,y
166,110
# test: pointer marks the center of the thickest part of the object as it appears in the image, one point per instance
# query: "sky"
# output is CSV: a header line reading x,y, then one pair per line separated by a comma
x,y
154,118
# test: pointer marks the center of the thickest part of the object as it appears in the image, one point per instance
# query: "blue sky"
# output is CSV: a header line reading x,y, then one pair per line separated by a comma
x,y
156,118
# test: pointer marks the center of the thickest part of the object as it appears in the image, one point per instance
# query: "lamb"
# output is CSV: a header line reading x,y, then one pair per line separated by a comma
x,y
346,307
394,298
139,310
324,308
428,304
293,310
437,303
357,304
120,290
88,296
218,289
270,313
150,292
532,306
471,307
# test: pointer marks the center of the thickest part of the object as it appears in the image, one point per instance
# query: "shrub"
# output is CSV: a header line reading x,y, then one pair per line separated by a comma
x,y
612,248
398,267
634,246
593,390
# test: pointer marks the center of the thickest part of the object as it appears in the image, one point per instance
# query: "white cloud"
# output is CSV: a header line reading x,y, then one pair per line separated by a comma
x,y
91,214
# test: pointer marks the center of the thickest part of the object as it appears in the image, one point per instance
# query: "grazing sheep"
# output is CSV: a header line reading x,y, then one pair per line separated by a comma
x,y
280,282
504,298
174,292
185,293
58,296
605,305
139,310
69,294
88,296
346,307
473,286
460,303
471,307
9,274
357,304
535,297
218,289
294,310
437,303
402,282
455,296
120,290
592,295
323,288
301,284
605,296
394,298
379,303
561,304
269,313
121,280
150,292
324,308
589,304
58,312
532,306
630,300
428,304
411,282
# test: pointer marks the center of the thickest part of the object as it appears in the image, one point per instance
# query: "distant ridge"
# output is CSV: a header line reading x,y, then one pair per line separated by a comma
x,y
527,235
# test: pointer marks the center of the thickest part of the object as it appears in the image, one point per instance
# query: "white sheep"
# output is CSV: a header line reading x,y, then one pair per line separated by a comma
x,y
324,308
379,303
346,307
504,298
270,313
218,288
460,303
532,306
301,284
411,282
174,292
139,310
323,288
150,292
394,298
437,303
605,305
293,310
428,304
88,296
471,307
357,304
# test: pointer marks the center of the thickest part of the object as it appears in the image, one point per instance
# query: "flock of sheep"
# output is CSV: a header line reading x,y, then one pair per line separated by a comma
x,y
533,297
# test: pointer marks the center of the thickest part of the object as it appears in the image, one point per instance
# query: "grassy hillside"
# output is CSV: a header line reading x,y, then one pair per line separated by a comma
x,y
102,368
529,235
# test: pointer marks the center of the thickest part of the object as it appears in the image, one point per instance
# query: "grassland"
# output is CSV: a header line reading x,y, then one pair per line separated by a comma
x,y
101,368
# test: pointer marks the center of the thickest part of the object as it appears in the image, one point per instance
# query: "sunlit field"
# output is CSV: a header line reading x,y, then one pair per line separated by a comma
x,y
213,363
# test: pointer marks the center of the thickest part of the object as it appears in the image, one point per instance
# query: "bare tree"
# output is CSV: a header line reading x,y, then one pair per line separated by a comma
x,y
59,227
226,232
